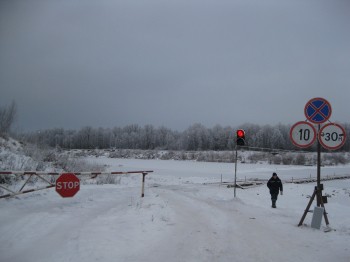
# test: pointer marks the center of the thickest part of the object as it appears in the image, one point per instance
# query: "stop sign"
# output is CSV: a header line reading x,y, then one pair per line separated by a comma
x,y
67,185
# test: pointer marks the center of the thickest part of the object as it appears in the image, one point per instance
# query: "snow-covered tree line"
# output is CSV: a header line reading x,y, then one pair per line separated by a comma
x,y
195,138
7,117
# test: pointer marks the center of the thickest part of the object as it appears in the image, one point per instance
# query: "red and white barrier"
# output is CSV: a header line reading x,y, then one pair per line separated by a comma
x,y
51,185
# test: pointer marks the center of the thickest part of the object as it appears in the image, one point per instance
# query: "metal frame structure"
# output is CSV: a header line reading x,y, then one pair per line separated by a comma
x,y
13,193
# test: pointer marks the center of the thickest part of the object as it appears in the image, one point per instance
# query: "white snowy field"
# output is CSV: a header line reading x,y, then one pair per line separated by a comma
x,y
183,217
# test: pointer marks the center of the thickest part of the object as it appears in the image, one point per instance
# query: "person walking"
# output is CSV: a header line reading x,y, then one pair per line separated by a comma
x,y
275,186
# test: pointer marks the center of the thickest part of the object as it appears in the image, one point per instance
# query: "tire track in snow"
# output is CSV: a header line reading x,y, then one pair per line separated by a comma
x,y
206,228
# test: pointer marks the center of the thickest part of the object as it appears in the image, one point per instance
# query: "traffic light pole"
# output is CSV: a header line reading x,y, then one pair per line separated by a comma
x,y
240,141
235,173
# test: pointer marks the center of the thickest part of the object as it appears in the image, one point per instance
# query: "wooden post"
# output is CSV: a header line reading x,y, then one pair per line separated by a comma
x,y
307,208
318,194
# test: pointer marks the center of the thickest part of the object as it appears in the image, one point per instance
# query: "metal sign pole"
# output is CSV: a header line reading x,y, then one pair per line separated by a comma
x,y
235,173
318,170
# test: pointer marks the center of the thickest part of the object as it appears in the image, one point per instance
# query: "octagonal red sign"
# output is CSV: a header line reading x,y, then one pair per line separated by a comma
x,y
67,185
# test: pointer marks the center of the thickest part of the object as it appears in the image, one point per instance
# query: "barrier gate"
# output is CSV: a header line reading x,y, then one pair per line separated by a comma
x,y
52,182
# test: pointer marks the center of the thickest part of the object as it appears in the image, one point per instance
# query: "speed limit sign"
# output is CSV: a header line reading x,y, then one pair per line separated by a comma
x,y
303,134
332,136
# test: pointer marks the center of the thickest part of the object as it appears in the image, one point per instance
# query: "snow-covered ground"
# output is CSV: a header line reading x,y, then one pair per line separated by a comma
x,y
186,215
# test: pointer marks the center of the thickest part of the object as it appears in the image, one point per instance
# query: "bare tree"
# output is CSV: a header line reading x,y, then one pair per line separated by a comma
x,y
7,118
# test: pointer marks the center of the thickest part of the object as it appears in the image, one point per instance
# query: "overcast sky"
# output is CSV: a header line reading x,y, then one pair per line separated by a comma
x,y
173,63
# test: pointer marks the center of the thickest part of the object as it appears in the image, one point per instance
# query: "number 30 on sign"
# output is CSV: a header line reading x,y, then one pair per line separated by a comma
x,y
303,134
332,136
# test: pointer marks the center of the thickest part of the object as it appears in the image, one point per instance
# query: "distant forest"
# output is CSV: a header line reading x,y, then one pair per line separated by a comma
x,y
195,138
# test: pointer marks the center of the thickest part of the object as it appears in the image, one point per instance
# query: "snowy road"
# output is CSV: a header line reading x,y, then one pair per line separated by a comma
x,y
209,229
176,221
212,226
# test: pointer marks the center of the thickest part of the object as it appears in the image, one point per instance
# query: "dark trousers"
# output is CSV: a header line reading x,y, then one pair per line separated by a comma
x,y
274,198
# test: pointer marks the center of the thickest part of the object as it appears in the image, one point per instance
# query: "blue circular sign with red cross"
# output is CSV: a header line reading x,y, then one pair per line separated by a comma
x,y
318,110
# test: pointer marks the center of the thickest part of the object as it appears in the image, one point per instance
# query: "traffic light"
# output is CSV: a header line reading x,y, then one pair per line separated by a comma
x,y
240,140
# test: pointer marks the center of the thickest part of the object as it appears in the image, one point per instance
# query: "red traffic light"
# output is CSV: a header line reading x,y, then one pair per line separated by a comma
x,y
240,133
240,140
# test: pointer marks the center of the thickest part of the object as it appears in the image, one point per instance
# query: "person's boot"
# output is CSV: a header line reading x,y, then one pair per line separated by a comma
x,y
273,203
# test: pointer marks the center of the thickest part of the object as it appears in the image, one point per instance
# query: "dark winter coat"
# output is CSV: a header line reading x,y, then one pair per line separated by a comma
x,y
275,184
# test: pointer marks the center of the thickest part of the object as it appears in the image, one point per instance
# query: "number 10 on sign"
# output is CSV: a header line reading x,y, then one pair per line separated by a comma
x,y
303,134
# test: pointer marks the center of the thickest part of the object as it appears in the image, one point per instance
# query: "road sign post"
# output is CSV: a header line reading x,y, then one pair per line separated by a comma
x,y
67,185
331,136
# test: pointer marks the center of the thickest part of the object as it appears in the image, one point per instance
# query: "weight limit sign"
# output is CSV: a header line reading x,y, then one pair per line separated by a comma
x,y
332,136
303,134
